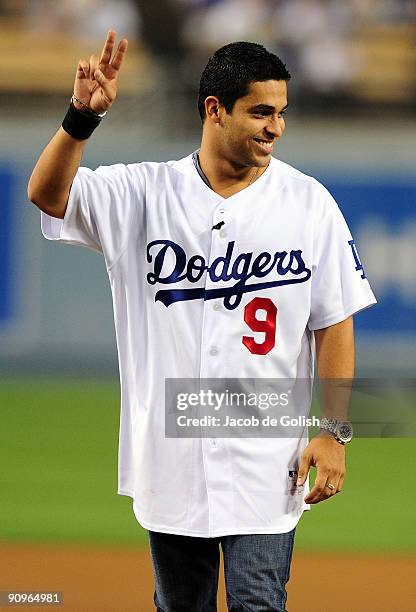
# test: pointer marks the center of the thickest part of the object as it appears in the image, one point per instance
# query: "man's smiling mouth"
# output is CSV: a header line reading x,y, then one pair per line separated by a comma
x,y
265,145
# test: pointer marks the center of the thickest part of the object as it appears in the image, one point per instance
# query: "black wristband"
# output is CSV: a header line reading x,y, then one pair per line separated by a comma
x,y
80,124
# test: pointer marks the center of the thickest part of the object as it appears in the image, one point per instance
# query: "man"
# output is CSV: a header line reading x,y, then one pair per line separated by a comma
x,y
225,264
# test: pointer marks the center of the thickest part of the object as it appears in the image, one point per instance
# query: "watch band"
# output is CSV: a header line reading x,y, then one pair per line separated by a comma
x,y
341,430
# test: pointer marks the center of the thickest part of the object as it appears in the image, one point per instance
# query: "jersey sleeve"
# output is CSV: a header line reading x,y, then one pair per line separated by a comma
x,y
104,207
339,285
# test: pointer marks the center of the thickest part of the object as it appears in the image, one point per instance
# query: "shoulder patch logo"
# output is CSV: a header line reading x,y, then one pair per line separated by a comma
x,y
358,264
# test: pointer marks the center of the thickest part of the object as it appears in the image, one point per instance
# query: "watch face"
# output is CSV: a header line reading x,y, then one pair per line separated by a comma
x,y
344,432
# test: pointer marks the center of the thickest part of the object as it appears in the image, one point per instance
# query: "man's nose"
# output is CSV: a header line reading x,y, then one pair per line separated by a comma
x,y
275,127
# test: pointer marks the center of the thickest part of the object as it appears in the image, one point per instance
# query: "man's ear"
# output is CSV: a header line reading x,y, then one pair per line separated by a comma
x,y
212,108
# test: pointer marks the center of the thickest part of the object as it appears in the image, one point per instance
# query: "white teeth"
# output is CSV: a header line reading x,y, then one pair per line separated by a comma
x,y
264,143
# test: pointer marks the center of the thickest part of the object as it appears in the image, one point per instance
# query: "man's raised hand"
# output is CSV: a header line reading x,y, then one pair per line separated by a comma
x,y
96,80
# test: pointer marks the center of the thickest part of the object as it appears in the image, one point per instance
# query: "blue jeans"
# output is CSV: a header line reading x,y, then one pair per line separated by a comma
x,y
256,569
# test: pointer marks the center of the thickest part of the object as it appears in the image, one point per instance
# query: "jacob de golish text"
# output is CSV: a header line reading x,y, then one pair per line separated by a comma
x,y
251,421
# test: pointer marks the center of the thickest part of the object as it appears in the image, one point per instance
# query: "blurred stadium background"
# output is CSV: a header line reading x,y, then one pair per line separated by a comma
x,y
350,123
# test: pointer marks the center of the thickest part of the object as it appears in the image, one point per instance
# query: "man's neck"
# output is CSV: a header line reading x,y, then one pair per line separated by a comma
x,y
224,177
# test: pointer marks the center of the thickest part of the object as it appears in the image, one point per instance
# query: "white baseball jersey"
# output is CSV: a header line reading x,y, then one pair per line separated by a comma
x,y
186,299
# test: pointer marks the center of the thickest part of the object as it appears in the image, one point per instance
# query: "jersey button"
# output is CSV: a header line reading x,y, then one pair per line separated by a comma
x,y
223,233
213,351
217,306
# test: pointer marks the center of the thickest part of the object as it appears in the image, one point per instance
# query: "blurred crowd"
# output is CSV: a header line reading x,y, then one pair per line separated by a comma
x,y
318,39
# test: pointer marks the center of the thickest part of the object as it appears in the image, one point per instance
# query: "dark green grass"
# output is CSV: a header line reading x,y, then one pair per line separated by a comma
x,y
58,477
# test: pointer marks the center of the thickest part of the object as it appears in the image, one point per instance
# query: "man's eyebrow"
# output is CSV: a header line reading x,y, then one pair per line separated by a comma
x,y
265,107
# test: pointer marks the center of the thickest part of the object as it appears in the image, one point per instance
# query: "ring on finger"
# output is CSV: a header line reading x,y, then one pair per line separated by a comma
x,y
330,486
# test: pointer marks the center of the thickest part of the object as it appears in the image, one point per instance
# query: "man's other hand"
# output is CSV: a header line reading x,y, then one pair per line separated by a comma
x,y
328,456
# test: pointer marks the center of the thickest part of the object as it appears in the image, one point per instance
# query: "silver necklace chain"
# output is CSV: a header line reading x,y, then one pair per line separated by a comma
x,y
254,176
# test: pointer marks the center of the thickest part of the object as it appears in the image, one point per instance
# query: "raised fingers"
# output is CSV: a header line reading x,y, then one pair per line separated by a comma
x,y
105,56
119,54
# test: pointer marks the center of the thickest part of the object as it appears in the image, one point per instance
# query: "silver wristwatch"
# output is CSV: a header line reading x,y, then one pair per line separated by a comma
x,y
341,430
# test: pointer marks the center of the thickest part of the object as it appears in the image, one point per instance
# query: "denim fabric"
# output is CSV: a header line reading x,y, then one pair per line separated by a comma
x,y
186,571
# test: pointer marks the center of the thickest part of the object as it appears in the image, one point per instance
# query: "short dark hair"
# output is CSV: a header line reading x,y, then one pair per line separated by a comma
x,y
232,68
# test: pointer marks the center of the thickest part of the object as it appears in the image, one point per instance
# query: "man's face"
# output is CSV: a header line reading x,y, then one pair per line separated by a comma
x,y
249,132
